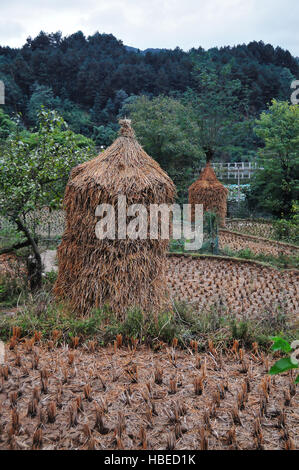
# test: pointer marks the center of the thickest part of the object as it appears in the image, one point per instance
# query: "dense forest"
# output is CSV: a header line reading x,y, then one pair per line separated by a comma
x,y
229,104
90,79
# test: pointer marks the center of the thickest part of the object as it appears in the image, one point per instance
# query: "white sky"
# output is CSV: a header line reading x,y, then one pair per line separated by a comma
x,y
156,23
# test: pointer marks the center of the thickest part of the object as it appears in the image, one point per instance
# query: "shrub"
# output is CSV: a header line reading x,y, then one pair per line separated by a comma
x,y
286,230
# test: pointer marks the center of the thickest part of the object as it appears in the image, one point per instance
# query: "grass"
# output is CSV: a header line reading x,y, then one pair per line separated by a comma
x,y
8,234
11,290
185,324
14,290
281,262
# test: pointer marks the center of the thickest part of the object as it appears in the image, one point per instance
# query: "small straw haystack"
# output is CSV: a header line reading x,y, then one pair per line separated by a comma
x,y
121,273
209,192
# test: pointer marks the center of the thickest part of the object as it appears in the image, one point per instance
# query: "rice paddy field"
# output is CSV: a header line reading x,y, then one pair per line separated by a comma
x,y
256,244
129,397
132,397
258,228
245,288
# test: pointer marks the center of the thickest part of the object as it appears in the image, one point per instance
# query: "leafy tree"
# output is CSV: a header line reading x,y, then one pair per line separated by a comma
x,y
32,176
275,188
15,101
97,108
77,118
104,135
165,128
288,230
41,96
218,103
6,125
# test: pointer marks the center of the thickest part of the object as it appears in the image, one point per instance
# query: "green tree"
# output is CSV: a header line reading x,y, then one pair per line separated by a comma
x,y
41,96
6,125
219,104
104,135
275,188
165,128
33,175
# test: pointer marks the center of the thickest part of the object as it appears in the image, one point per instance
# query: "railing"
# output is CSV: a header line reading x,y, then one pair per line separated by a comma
x,y
236,170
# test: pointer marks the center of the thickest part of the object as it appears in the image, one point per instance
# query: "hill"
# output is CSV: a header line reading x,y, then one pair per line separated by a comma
x,y
88,79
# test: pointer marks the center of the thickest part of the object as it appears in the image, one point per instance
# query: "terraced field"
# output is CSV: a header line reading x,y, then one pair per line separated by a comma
x,y
237,241
245,288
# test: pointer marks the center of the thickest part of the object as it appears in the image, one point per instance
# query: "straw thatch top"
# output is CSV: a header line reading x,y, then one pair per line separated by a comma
x,y
208,180
123,167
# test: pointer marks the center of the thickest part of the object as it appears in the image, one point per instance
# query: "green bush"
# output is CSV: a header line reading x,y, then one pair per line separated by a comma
x,y
12,290
286,230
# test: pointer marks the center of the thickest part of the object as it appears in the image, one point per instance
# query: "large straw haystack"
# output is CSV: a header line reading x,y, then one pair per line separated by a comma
x,y
209,192
122,273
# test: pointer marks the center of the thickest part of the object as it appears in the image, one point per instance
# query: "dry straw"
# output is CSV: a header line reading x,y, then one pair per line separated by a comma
x,y
208,191
120,273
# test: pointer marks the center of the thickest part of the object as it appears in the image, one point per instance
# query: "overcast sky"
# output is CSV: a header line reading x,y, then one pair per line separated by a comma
x,y
156,23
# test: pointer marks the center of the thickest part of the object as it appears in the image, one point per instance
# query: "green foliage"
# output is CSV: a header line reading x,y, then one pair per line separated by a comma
x,y
6,125
288,230
219,103
245,253
210,227
185,323
78,119
110,72
11,290
41,96
248,331
176,246
49,279
35,175
282,365
275,188
165,128
133,324
287,363
104,135
241,331
9,234
281,261
280,344
55,317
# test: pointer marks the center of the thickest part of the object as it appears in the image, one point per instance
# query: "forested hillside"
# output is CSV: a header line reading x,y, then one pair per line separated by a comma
x,y
90,79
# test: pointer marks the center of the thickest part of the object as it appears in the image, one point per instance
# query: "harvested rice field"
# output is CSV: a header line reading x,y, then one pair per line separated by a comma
x,y
257,228
237,241
127,398
244,288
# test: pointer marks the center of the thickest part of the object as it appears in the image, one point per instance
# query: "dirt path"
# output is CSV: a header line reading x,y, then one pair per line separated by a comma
x,y
49,261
